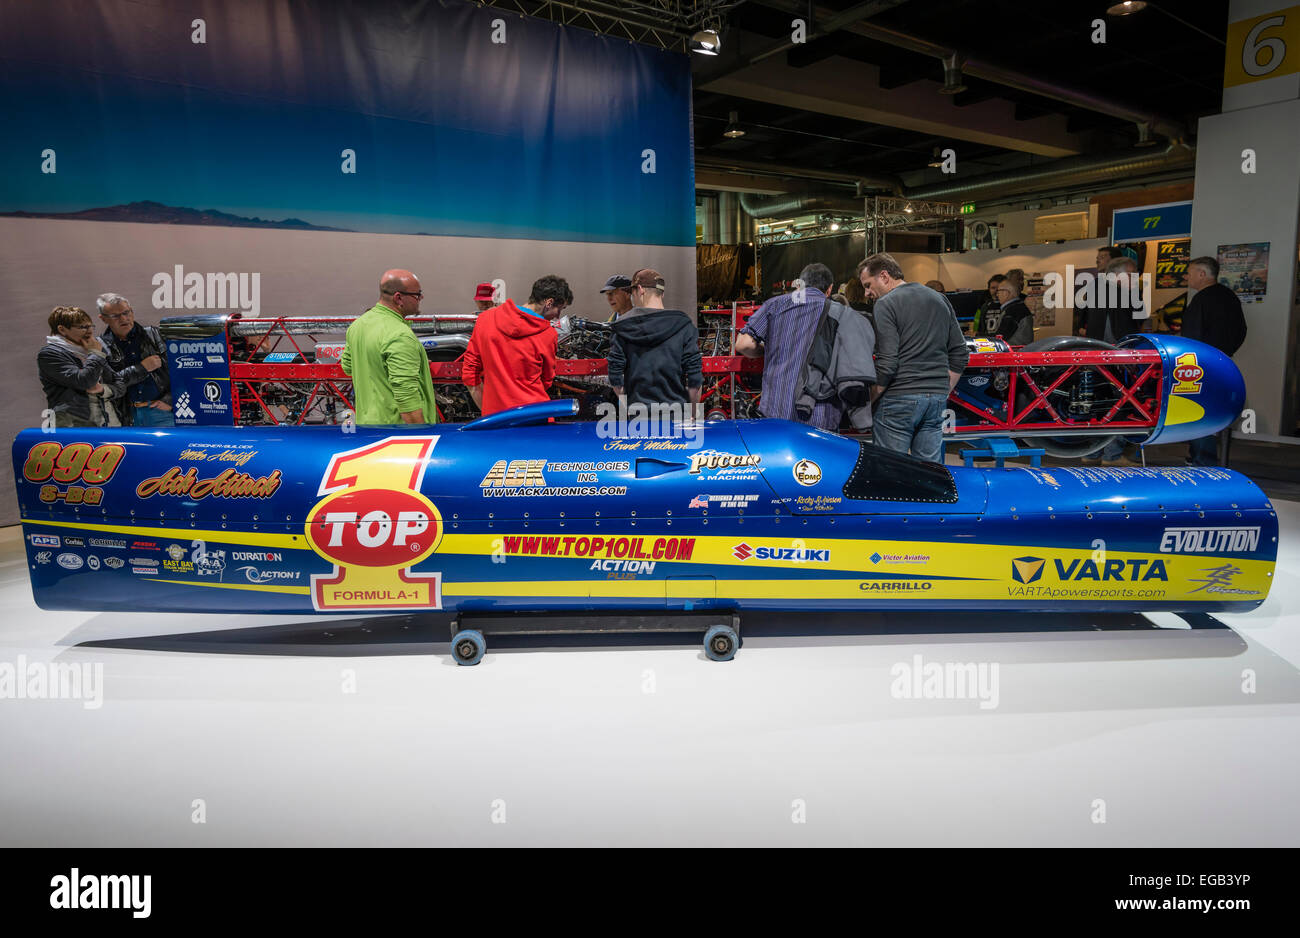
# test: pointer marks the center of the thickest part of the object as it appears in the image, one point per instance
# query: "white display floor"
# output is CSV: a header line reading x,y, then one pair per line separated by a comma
x,y
1120,735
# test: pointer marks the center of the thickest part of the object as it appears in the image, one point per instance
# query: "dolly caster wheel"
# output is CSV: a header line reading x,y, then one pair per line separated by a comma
x,y
468,647
721,642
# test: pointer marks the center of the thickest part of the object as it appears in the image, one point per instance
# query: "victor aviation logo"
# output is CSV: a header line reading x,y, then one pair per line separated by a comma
x,y
374,525
1027,569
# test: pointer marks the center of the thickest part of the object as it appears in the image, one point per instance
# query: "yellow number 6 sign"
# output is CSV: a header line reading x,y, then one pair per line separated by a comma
x,y
1263,47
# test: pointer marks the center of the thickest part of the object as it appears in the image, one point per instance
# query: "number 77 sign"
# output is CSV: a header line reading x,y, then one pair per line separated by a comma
x,y
374,524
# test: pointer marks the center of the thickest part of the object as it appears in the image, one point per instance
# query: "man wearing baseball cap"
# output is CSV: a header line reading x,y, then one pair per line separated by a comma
x,y
655,353
616,292
483,297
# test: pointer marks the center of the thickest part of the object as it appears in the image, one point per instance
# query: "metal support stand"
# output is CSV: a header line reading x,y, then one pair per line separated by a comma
x,y
1000,449
469,630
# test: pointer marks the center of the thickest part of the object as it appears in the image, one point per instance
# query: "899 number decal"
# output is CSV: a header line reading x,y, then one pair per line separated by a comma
x,y
76,462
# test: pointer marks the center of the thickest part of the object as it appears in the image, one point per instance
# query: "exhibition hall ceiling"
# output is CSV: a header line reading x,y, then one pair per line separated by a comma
x,y
856,103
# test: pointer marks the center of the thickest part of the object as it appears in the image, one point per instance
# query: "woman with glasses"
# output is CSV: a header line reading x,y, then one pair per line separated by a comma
x,y
79,384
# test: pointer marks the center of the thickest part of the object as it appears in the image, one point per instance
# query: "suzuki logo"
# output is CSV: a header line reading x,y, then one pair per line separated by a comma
x,y
742,551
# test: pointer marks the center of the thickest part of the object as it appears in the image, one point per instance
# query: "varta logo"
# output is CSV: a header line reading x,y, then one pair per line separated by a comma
x,y
1030,570
1027,569
1131,570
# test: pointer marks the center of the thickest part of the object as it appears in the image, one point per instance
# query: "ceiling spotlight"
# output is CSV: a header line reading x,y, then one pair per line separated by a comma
x,y
706,42
789,230
952,83
936,160
908,209
1125,8
733,126
835,226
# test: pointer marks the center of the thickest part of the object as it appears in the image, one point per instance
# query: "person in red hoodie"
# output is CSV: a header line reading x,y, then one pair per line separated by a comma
x,y
510,359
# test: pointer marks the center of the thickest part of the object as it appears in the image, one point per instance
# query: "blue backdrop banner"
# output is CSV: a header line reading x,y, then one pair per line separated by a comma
x,y
383,116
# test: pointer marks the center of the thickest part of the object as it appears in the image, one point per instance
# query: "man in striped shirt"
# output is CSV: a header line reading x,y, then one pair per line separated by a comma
x,y
781,332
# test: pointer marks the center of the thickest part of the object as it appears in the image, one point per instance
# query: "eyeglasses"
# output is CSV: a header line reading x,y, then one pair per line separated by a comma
x,y
418,295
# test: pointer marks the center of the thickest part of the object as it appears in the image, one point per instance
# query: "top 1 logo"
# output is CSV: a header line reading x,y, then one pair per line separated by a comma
x,y
374,525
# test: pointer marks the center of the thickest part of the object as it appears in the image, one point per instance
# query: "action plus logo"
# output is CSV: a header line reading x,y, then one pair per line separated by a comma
x,y
255,575
1027,569
742,551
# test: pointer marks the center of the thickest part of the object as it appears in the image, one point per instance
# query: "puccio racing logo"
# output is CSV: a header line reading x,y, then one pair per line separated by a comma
x,y
374,525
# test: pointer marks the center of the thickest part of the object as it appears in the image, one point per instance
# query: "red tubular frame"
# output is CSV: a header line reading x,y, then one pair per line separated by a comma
x,y
1143,395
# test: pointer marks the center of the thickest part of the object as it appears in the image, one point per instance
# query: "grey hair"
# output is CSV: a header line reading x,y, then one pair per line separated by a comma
x,y
105,300
1208,264
1118,264
817,277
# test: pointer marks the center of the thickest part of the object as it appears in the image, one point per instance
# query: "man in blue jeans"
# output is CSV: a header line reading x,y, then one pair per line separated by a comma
x,y
138,355
920,354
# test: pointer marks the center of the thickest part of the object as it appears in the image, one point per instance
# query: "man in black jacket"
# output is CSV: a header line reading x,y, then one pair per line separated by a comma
x,y
1108,321
1015,320
655,353
1214,317
136,353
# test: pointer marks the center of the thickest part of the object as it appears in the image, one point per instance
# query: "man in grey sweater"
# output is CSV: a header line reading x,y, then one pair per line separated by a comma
x,y
920,354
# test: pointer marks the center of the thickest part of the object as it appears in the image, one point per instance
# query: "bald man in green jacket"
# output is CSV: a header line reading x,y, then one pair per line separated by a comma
x,y
387,363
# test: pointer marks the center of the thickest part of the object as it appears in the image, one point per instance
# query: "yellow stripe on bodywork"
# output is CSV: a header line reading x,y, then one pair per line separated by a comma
x,y
249,538
1181,410
258,587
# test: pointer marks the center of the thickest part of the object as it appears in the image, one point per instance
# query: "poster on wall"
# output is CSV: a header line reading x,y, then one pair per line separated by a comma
x,y
1171,264
1043,316
1243,269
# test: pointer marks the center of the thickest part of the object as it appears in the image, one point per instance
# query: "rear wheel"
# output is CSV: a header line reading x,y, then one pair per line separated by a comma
x,y
1087,395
